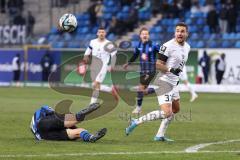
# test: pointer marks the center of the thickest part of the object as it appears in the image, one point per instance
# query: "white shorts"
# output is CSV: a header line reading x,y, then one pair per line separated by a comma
x,y
183,75
98,73
169,97
101,75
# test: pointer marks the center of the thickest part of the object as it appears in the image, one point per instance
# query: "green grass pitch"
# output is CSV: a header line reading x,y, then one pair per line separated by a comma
x,y
211,118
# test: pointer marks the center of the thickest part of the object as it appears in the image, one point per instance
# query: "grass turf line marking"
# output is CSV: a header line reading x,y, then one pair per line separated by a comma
x,y
196,148
109,153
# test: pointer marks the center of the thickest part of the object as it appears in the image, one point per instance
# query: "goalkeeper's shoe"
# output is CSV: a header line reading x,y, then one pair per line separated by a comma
x,y
80,116
92,107
131,127
163,139
101,133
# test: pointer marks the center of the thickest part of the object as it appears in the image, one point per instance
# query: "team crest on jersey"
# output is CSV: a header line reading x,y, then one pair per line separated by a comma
x,y
150,49
163,48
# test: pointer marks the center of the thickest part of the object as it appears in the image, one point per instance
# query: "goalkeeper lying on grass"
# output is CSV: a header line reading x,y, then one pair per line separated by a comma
x,y
47,124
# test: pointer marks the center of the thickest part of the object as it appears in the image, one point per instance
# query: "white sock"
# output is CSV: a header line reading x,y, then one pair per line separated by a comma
x,y
154,115
105,88
163,126
95,95
191,89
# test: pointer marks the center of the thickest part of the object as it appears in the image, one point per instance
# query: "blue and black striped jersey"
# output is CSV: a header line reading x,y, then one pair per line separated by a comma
x,y
148,53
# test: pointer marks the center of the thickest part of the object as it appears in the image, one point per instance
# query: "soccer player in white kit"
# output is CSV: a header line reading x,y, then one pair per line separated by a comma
x,y
101,51
184,78
172,58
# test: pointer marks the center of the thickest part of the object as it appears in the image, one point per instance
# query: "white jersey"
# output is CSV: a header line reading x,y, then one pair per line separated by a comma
x,y
96,48
15,65
176,57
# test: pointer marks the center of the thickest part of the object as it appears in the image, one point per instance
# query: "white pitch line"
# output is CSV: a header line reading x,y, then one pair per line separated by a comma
x,y
196,148
108,153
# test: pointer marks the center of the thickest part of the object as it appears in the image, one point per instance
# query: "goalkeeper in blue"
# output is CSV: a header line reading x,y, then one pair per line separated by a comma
x,y
147,52
47,124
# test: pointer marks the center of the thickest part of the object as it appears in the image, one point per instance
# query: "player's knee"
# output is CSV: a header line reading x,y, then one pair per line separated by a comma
x,y
168,113
167,109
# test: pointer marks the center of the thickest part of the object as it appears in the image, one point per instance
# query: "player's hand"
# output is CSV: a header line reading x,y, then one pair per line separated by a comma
x,y
125,66
82,68
175,71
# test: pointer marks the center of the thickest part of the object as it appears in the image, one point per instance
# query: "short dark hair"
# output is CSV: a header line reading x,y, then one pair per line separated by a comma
x,y
143,29
182,24
101,28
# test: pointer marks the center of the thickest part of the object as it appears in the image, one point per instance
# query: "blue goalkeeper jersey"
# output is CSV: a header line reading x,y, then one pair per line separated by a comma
x,y
148,53
38,115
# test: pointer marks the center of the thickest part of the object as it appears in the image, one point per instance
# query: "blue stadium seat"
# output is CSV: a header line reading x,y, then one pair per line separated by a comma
x,y
54,30
111,37
226,44
58,45
200,21
170,29
226,36
188,21
187,15
197,15
134,43
237,36
212,44
206,29
135,37
67,36
193,44
193,28
175,21
200,44
107,16
52,37
156,29
237,44
126,9
194,36
206,36
73,44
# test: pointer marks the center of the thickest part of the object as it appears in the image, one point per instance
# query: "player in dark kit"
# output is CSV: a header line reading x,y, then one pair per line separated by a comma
x,y
147,52
47,124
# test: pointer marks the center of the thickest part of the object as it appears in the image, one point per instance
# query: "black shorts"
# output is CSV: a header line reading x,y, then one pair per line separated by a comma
x,y
52,127
16,75
145,79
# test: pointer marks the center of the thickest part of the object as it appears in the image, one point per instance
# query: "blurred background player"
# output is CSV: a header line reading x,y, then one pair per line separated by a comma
x,y
184,78
220,67
46,64
204,62
147,52
16,67
101,50
48,124
172,58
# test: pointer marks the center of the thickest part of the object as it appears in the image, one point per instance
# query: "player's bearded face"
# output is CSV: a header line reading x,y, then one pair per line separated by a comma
x,y
101,34
144,36
181,34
